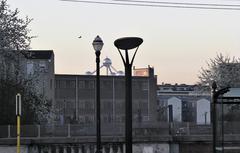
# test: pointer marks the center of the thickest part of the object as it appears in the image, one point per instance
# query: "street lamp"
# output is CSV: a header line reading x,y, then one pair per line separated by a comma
x,y
127,43
97,45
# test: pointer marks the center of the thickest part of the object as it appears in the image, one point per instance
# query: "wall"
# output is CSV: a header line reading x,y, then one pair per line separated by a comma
x,y
151,148
109,148
12,149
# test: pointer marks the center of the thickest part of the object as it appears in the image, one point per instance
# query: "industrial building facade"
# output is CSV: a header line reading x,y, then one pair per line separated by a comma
x,y
75,98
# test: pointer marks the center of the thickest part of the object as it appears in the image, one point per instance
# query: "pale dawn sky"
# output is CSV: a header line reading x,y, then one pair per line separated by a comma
x,y
177,41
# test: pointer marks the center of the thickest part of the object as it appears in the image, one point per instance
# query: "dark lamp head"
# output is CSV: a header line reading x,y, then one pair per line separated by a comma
x,y
128,42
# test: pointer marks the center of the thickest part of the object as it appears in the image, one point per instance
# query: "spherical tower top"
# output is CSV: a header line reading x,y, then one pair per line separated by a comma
x,y
88,73
107,62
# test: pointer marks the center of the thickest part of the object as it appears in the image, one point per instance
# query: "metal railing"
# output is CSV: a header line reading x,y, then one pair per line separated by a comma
x,y
139,130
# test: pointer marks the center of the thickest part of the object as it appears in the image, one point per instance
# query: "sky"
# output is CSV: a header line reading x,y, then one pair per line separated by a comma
x,y
177,42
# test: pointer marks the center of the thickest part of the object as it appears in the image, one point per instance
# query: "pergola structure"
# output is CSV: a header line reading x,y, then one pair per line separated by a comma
x,y
225,119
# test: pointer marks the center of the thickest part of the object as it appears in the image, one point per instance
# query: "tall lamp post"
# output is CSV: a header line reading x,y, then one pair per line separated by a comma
x,y
125,44
97,45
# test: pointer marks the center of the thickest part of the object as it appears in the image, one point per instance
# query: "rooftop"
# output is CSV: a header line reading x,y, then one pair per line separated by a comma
x,y
38,54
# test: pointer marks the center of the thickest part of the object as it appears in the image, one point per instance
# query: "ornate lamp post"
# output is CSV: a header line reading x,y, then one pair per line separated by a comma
x,y
97,45
126,44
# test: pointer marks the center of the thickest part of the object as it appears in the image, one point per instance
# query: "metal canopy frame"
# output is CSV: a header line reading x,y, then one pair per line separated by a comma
x,y
219,99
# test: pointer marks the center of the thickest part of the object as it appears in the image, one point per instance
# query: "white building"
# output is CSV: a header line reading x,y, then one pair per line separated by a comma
x,y
176,108
203,111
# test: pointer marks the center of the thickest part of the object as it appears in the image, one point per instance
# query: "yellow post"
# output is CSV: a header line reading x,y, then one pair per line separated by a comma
x,y
18,114
18,133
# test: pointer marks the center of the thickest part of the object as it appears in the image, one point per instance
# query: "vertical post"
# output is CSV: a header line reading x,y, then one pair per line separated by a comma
x,y
49,149
18,133
69,131
170,113
39,130
128,104
188,129
9,131
170,118
222,126
113,106
76,99
205,117
213,118
98,101
18,114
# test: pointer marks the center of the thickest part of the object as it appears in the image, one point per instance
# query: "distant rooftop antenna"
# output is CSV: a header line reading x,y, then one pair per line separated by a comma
x,y
110,70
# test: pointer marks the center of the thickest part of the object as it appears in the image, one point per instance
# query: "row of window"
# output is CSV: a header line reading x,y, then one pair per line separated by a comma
x,y
88,106
106,118
69,118
90,84
33,67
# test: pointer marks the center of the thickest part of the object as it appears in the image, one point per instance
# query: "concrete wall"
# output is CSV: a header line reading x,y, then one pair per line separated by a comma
x,y
195,148
110,148
13,149
151,148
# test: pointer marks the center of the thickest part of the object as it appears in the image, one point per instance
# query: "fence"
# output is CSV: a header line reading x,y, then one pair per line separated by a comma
x,y
77,130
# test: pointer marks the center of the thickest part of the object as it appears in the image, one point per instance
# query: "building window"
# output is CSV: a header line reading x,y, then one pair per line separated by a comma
x,y
62,84
81,105
89,119
135,85
145,86
30,70
106,85
91,85
57,84
145,118
89,105
118,119
70,84
81,119
81,84
144,107
42,66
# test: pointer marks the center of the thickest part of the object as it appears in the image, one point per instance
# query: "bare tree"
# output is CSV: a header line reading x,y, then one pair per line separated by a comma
x,y
222,69
226,72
